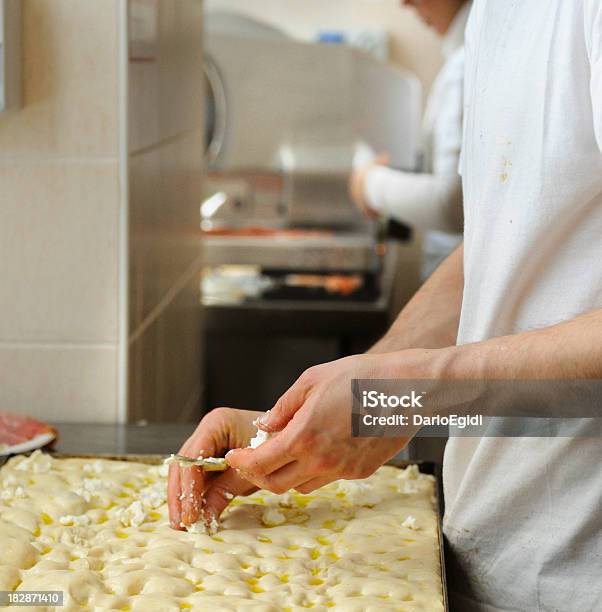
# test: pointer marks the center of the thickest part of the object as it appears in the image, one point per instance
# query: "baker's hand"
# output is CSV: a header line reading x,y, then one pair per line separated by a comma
x,y
193,494
315,445
357,185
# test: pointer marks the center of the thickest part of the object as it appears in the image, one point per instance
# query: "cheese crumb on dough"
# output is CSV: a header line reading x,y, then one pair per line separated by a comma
x,y
90,486
154,495
78,521
272,517
132,516
12,492
359,493
93,468
210,527
410,523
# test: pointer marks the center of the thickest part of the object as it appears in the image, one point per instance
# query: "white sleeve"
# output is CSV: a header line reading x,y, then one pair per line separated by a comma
x,y
423,201
429,201
594,43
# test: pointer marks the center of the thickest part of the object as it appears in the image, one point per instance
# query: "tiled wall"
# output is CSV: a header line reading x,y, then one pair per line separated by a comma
x,y
59,200
73,193
165,150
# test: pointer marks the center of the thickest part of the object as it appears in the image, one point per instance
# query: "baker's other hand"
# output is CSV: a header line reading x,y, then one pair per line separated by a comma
x,y
193,494
357,185
314,445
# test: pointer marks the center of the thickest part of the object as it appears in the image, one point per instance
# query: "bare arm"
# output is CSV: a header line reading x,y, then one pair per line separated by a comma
x,y
431,318
568,350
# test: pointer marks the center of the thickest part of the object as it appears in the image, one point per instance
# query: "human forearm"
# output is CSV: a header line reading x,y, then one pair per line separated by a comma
x,y
425,201
568,350
431,318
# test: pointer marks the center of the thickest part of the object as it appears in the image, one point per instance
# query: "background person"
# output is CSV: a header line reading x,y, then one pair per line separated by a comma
x,y
429,200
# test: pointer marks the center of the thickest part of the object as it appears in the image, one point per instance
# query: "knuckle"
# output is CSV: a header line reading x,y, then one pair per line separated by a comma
x,y
216,414
310,375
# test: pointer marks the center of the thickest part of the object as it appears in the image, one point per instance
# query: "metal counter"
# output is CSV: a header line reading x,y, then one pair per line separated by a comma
x,y
95,438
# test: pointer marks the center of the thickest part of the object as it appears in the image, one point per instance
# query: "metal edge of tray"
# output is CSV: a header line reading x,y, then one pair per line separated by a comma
x,y
425,467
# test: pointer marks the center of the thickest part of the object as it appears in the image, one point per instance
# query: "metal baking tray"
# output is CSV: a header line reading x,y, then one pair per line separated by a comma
x,y
425,467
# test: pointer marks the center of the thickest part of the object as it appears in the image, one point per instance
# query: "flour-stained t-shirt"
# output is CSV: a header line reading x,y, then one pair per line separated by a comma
x,y
524,516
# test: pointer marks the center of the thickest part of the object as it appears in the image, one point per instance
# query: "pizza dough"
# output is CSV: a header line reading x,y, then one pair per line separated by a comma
x,y
98,530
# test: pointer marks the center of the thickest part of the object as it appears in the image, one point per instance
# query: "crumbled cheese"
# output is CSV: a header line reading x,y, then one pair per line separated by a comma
x,y
90,486
93,468
272,517
38,462
154,495
228,495
261,436
9,480
9,493
358,493
287,500
206,527
213,460
410,523
132,516
79,521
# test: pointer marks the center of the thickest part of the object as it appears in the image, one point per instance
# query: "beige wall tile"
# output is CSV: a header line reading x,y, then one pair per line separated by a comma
x,y
58,252
70,81
166,87
166,362
57,383
165,195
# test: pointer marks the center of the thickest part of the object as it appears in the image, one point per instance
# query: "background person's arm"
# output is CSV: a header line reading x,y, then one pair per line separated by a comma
x,y
426,201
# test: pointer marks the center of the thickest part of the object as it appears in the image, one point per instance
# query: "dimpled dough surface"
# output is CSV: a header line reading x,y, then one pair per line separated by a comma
x,y
98,530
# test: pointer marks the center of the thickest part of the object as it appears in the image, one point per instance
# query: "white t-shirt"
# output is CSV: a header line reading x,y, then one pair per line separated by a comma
x,y
431,200
524,516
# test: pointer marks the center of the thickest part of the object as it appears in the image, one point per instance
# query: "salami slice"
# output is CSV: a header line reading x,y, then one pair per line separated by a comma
x,y
16,430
